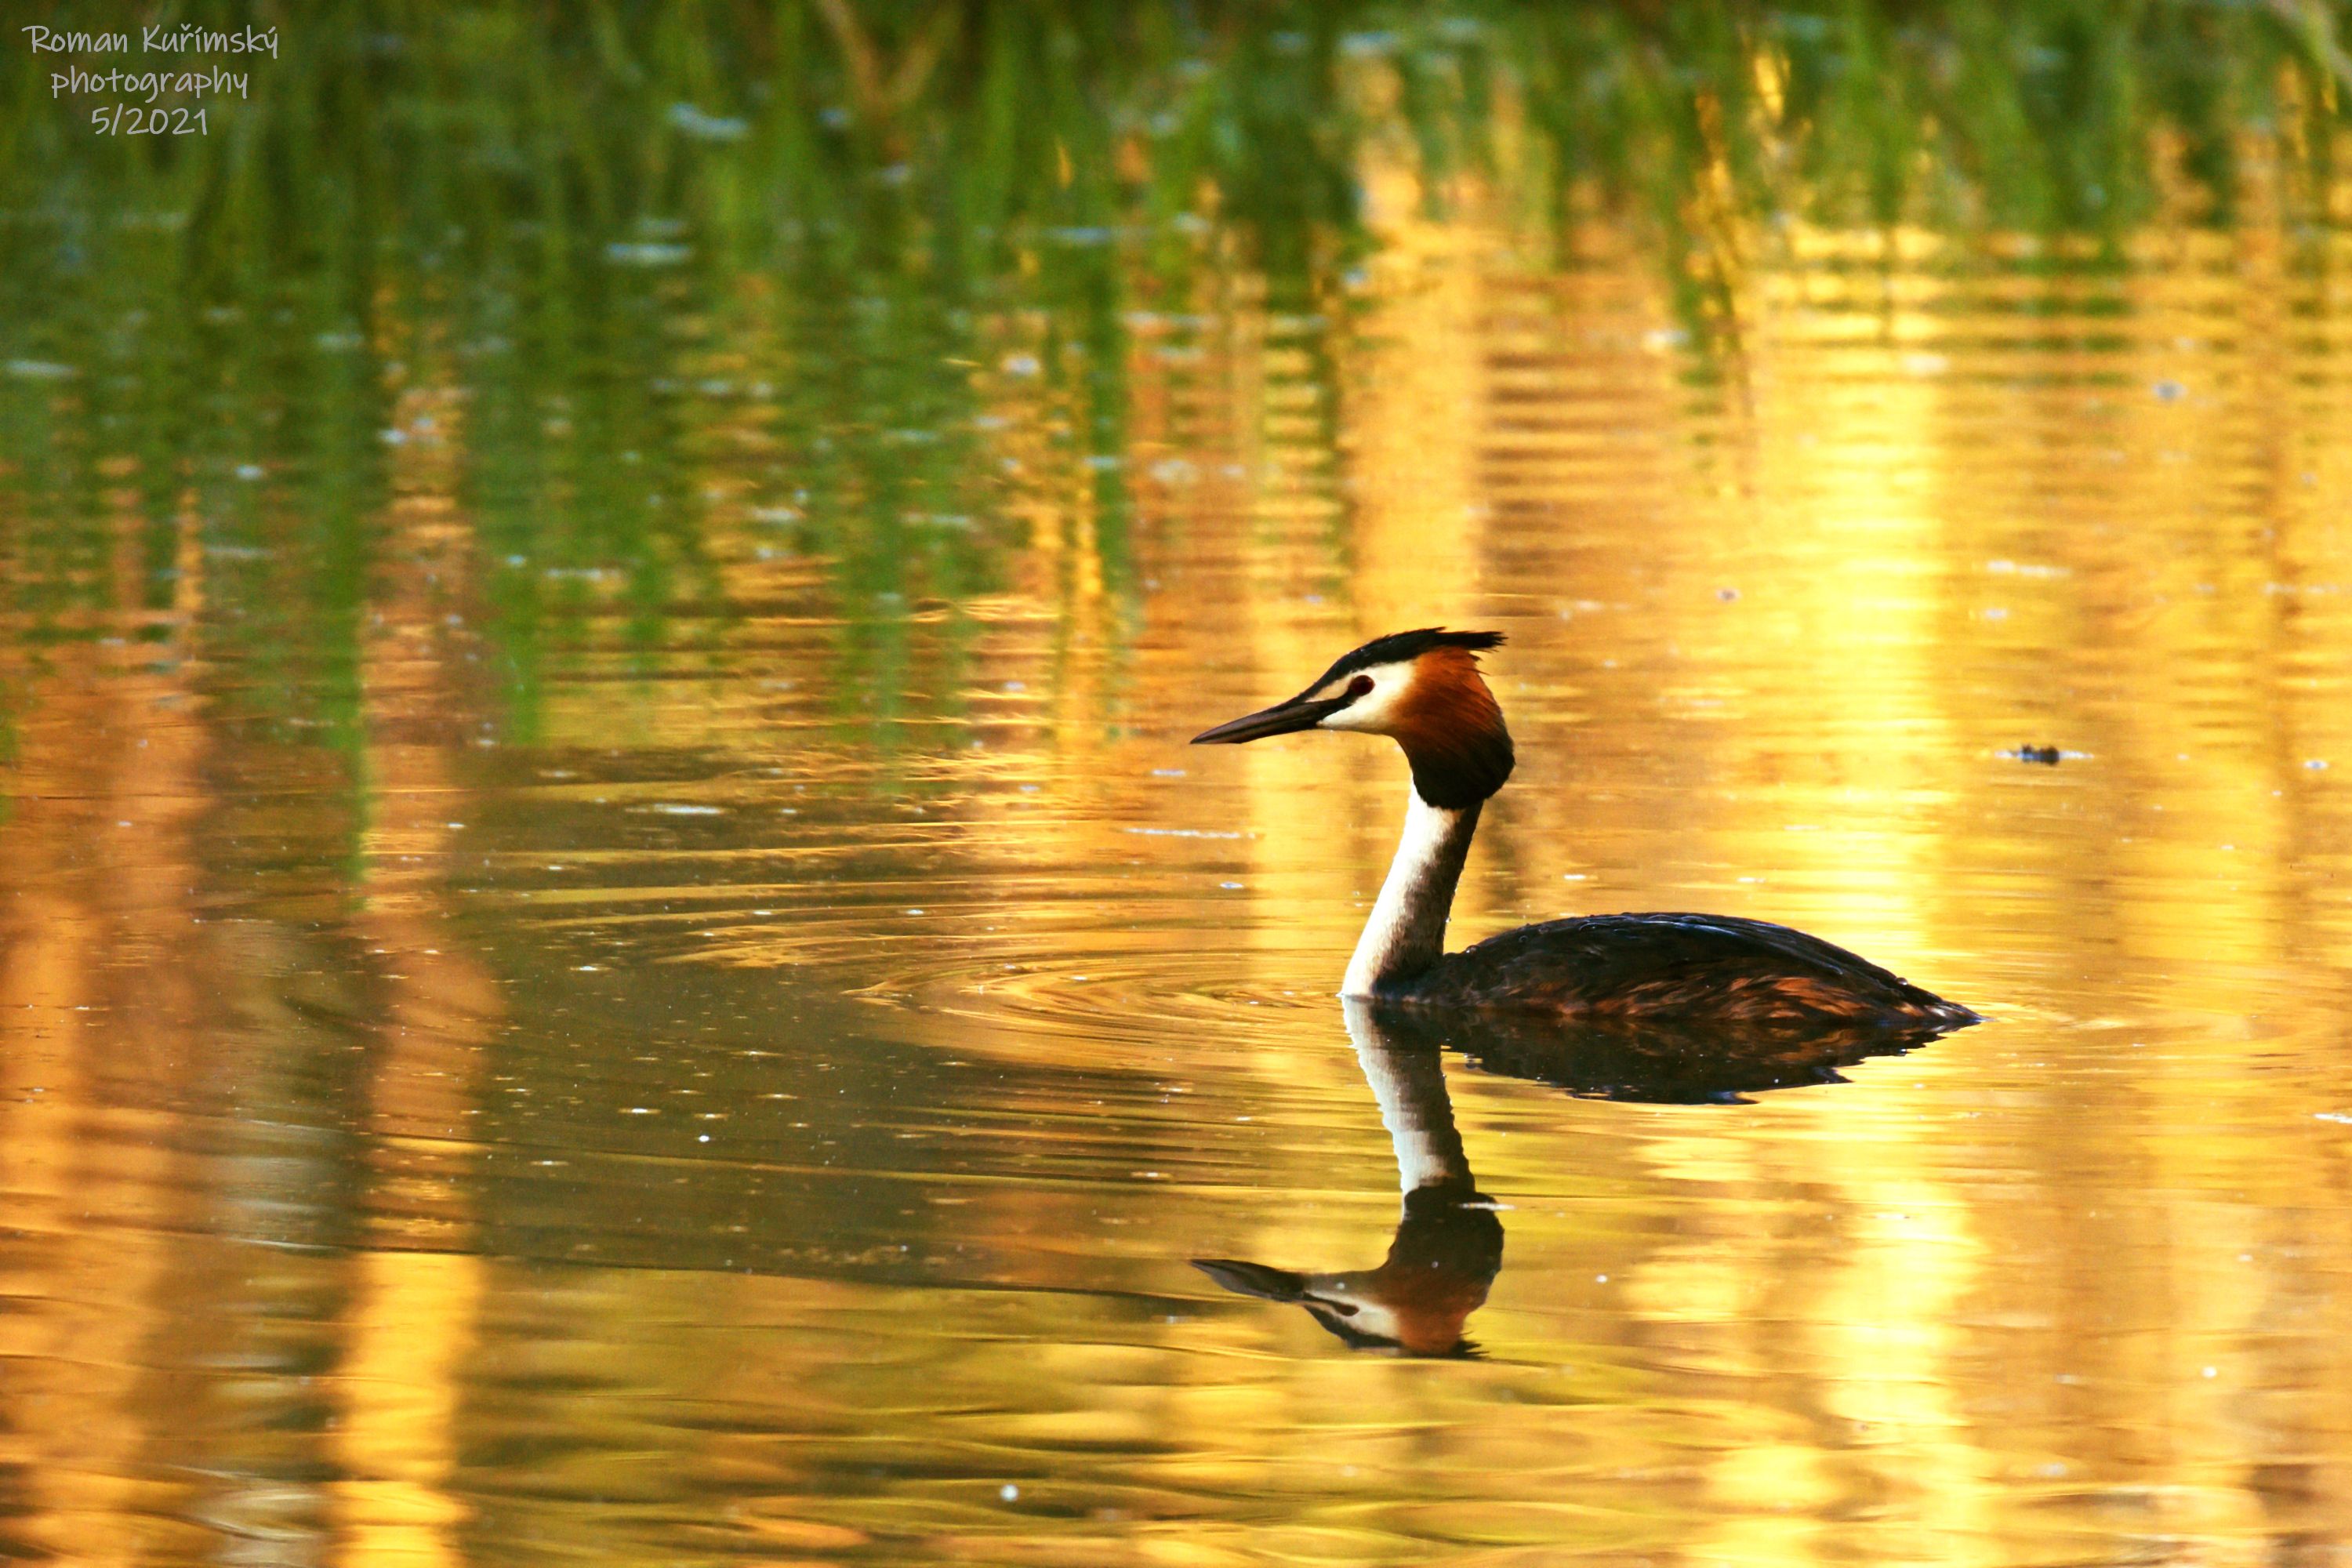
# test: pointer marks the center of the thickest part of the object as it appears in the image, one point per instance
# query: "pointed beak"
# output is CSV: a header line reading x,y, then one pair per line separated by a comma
x,y
1282,718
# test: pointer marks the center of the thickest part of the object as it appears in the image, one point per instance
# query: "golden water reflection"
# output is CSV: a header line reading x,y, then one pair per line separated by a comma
x,y
724,1126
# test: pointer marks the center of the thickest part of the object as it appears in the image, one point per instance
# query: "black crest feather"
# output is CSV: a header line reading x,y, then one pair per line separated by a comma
x,y
1398,647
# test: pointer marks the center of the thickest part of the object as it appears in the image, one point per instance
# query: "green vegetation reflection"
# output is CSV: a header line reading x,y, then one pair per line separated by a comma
x,y
649,273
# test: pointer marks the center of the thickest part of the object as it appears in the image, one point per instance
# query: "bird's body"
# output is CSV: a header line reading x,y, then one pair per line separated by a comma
x,y
1656,964
1423,689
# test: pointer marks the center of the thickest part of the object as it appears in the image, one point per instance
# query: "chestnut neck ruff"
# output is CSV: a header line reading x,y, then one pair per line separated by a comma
x,y
1453,732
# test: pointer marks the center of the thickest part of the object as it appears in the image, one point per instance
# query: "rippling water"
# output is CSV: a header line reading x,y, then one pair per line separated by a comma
x,y
692,1005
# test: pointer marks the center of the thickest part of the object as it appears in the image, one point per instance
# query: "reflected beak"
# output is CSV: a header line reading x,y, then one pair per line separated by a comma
x,y
1282,718
1254,1278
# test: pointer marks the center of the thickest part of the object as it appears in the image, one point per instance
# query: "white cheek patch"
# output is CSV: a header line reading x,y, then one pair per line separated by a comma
x,y
1371,710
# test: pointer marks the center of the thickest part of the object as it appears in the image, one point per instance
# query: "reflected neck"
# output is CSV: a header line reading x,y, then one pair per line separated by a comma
x,y
1406,932
1409,1083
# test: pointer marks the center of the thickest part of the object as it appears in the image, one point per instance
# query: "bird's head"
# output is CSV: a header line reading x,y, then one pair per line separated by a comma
x,y
1421,687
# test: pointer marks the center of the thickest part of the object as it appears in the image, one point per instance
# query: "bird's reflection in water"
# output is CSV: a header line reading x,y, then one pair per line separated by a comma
x,y
1449,1243
1659,1064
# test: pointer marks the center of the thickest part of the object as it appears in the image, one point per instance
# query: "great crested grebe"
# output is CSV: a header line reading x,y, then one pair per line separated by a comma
x,y
1422,689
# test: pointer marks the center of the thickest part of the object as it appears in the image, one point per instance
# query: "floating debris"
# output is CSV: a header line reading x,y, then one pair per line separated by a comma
x,y
2046,755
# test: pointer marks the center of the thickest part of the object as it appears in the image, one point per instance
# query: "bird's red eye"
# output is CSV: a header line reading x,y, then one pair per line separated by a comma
x,y
1358,686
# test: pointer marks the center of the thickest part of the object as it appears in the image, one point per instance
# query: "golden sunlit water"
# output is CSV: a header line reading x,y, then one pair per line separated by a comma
x,y
721,1051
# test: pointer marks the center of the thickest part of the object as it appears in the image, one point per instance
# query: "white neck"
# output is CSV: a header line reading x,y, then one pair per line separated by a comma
x,y
1410,1084
1406,932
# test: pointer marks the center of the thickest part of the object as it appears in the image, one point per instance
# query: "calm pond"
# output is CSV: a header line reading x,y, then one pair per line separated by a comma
x,y
611,951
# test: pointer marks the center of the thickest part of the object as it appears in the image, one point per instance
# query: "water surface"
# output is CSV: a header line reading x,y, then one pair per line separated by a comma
x,y
611,952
